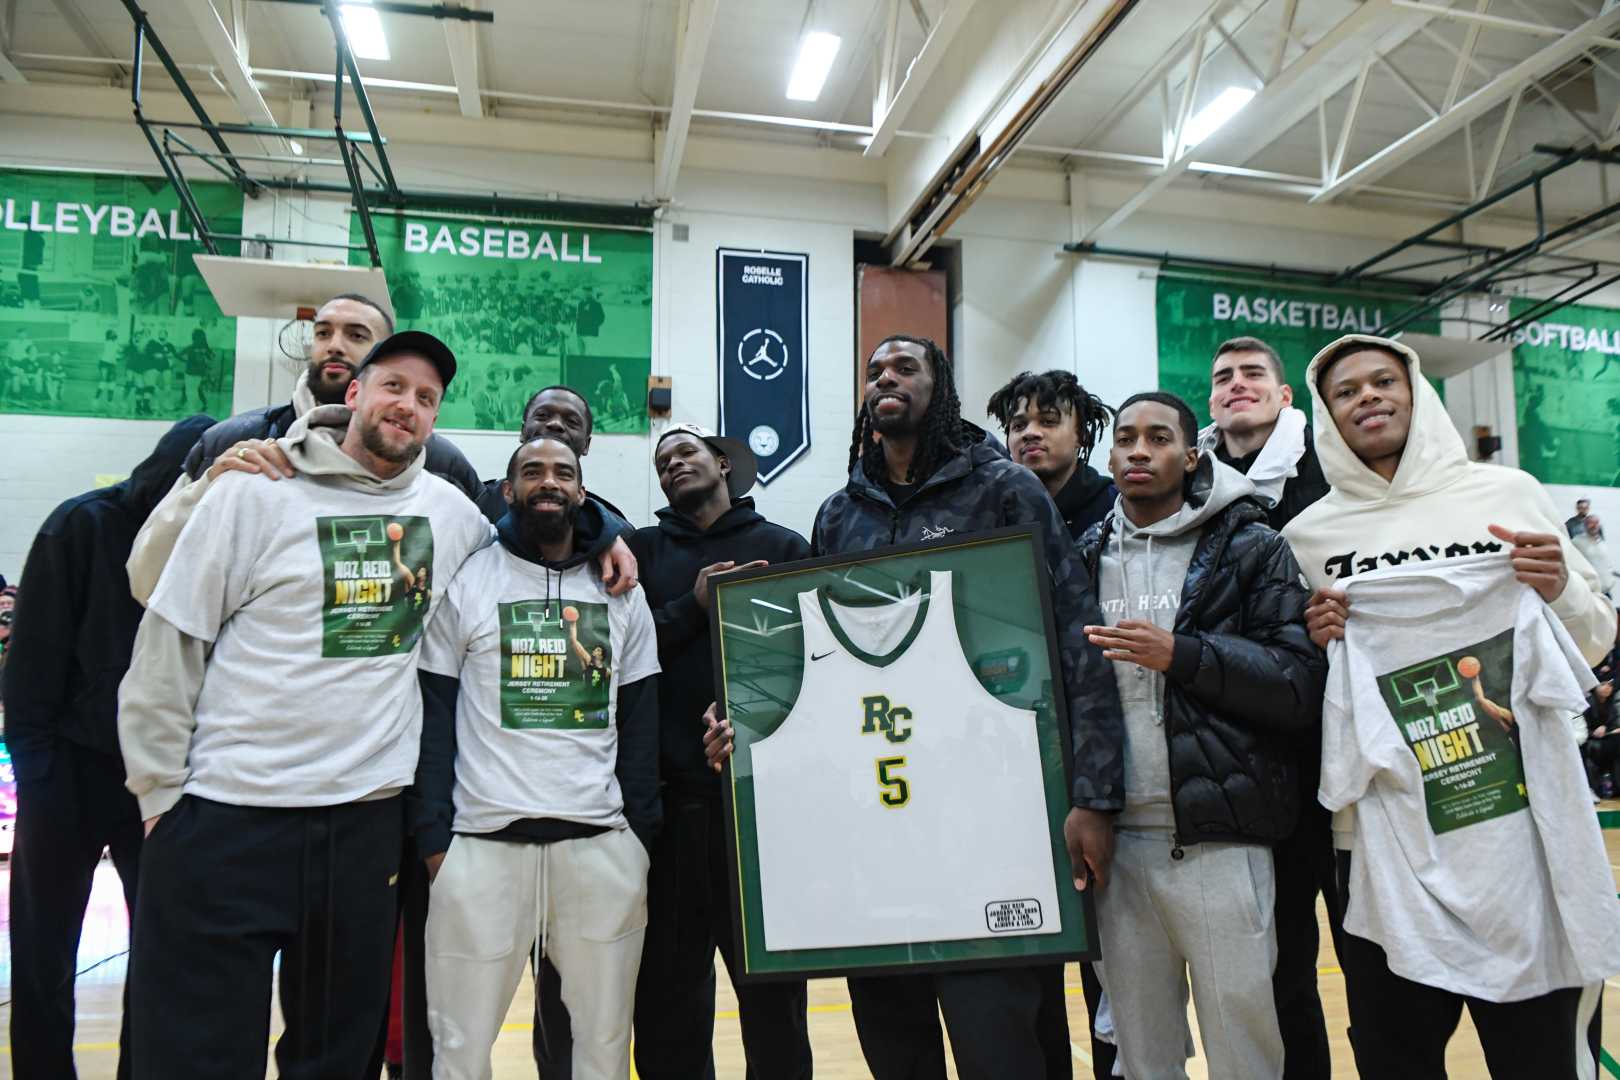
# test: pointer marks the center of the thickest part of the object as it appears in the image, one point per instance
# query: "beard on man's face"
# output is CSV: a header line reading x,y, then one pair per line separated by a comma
x,y
547,517
377,444
329,389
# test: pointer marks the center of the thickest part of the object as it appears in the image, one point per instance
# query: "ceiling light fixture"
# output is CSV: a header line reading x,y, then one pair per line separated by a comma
x,y
363,27
1213,116
816,55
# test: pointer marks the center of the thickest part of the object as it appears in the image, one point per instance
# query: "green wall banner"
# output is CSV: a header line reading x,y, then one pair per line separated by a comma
x,y
524,306
1196,314
102,311
1566,385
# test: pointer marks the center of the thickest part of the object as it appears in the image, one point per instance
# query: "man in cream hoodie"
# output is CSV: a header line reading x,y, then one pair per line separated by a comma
x,y
1405,494
272,828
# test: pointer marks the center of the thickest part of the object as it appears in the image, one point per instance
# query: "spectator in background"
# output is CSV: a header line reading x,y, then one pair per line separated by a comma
x,y
8,607
71,647
1588,540
588,319
1576,524
1602,747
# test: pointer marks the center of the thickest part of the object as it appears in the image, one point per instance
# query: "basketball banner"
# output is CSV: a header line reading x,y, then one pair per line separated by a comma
x,y
764,335
102,310
1454,711
524,305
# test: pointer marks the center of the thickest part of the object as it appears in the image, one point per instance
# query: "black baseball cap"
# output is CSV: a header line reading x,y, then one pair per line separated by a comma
x,y
417,343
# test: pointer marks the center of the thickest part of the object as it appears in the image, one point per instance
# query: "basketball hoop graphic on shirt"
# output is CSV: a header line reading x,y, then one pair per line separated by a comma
x,y
530,614
359,533
1424,682
763,354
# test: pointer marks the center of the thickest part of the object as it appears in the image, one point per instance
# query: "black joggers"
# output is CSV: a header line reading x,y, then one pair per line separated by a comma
x,y
64,819
223,889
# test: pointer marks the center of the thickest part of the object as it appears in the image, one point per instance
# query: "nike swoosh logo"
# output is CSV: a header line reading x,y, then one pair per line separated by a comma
x,y
823,656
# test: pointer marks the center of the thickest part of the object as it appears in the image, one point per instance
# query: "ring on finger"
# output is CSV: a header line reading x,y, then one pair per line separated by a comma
x,y
242,453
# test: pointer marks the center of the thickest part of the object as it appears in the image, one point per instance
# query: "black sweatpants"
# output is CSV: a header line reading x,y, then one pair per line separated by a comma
x,y
64,820
223,889
688,917
1304,868
1400,1028
1103,1054
992,1015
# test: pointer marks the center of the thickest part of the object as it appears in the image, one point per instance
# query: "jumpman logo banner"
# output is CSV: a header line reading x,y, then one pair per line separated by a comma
x,y
763,339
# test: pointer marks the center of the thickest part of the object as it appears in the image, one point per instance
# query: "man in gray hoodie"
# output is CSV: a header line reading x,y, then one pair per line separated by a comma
x,y
272,829
1204,607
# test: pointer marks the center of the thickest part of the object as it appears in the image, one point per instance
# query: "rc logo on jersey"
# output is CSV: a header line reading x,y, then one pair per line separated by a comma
x,y
763,354
378,584
893,721
556,665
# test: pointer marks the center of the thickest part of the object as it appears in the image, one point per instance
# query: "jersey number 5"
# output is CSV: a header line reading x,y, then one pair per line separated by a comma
x,y
895,791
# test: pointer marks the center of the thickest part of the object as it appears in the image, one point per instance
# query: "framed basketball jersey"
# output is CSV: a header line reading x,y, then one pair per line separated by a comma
x,y
898,786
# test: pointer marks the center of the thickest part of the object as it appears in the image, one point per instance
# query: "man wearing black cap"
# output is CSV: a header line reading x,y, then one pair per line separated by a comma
x,y
708,527
269,723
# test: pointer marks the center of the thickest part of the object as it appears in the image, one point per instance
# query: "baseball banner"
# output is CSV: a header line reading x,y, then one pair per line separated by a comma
x,y
1566,386
524,306
102,310
1196,314
764,334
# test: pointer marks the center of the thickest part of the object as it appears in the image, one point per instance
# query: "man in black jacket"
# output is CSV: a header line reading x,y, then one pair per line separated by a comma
x,y
1052,424
708,527
926,475
346,329
70,647
1205,626
1259,433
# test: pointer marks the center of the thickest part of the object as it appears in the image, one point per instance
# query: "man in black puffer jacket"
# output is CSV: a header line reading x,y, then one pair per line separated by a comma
x,y
925,476
1205,624
69,650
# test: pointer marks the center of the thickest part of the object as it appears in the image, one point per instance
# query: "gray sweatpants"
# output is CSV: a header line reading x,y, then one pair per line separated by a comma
x,y
1208,914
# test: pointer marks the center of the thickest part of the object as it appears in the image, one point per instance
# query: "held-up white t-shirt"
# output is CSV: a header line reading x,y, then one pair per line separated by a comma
x,y
1478,863
314,594
541,656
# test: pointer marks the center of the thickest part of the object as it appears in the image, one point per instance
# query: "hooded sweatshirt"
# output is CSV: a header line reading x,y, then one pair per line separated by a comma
x,y
70,648
1085,499
670,555
1438,506
313,593
1140,577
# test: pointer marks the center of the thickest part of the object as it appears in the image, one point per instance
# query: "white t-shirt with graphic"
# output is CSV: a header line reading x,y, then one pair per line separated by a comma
x,y
314,594
541,656
1478,864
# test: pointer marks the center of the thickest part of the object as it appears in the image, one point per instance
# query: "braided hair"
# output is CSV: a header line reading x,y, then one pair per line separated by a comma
x,y
1055,389
943,430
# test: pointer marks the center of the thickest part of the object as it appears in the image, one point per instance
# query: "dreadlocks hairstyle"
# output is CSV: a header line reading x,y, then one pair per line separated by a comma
x,y
943,430
1055,389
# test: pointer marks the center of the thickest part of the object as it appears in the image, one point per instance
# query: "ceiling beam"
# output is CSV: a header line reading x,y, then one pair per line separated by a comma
x,y
888,60
9,72
461,36
691,45
1281,92
238,79
85,30
1472,107
885,127
1290,9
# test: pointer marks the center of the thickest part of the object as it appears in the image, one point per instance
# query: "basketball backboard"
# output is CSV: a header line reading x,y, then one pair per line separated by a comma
x,y
260,288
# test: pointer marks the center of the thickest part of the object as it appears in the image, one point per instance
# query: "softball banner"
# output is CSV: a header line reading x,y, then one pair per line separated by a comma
x,y
1566,384
1195,315
764,334
102,310
524,306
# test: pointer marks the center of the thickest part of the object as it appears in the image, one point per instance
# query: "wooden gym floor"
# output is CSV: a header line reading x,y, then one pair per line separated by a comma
x,y
103,964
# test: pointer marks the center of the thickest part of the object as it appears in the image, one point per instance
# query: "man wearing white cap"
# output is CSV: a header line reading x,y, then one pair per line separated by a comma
x,y
709,527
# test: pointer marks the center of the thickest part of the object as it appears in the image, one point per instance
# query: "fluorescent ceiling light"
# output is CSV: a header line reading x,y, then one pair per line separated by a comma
x,y
297,147
363,27
1212,116
816,56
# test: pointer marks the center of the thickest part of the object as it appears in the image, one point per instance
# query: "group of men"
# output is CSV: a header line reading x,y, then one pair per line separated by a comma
x,y
368,688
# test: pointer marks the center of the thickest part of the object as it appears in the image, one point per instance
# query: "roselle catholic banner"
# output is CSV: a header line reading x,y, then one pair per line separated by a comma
x,y
1566,386
524,306
1195,315
764,366
102,311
